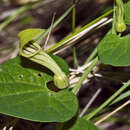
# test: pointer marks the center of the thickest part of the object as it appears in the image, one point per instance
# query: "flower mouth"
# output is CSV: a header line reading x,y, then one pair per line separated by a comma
x,y
30,49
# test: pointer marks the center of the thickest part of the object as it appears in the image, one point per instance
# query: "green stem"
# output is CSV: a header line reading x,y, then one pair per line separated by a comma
x,y
114,19
73,30
92,55
61,43
87,71
17,13
75,58
73,18
55,24
92,114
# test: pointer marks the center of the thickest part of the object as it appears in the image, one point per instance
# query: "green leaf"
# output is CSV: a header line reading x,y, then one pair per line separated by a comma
x,y
127,12
80,124
23,93
115,50
121,97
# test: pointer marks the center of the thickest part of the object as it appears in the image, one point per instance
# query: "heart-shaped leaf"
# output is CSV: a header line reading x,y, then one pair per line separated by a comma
x,y
23,93
115,50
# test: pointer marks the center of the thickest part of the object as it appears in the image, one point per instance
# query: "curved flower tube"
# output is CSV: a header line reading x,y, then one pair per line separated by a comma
x,y
33,52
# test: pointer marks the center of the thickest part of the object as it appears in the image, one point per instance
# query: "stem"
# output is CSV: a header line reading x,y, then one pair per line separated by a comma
x,y
73,18
92,114
92,55
73,39
75,58
73,30
55,24
59,44
78,85
17,13
114,19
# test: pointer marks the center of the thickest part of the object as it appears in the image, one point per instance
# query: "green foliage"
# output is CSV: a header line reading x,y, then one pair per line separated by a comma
x,y
23,94
115,50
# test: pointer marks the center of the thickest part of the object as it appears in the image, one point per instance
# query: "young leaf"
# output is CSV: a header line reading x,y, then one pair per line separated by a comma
x,y
23,94
115,50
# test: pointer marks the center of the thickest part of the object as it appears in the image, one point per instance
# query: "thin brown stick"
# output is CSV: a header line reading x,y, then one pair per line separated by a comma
x,y
90,102
47,39
113,112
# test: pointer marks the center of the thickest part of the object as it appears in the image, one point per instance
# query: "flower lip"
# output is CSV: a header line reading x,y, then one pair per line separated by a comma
x,y
30,49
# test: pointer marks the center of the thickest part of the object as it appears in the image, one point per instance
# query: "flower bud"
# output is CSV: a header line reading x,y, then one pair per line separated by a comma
x,y
61,81
120,27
